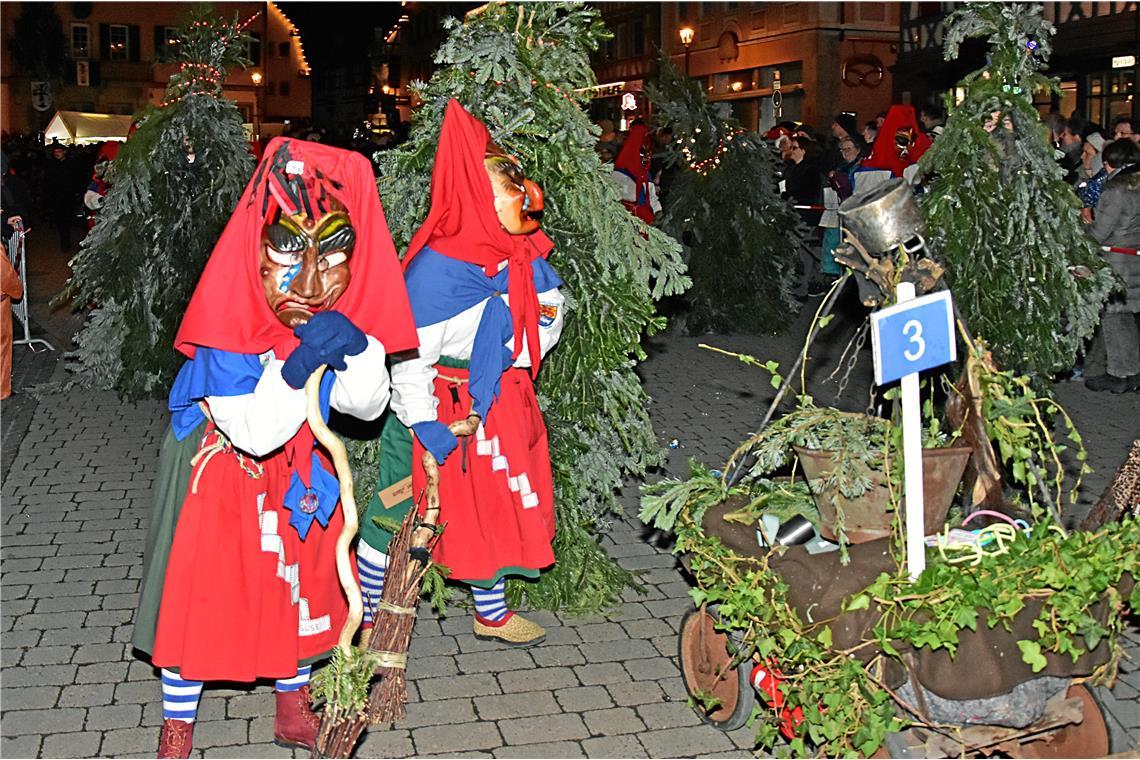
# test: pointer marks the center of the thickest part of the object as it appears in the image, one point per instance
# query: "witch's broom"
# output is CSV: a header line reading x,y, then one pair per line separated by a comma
x,y
349,707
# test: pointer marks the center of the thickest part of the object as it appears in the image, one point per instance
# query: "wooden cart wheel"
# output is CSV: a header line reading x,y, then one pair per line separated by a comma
x,y
1089,738
706,666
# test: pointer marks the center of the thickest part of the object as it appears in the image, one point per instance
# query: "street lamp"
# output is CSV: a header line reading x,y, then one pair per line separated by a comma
x,y
256,77
686,33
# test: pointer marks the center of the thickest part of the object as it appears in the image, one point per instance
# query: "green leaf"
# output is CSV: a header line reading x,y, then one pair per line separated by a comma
x,y
1031,654
859,602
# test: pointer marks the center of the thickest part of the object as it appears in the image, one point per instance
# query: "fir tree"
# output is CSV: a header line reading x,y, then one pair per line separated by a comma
x,y
174,184
518,68
743,235
998,210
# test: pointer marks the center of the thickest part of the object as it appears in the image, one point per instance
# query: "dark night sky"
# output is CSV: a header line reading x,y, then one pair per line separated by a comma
x,y
335,32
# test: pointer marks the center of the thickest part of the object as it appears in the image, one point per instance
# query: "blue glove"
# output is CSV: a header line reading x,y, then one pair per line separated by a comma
x,y
301,363
436,438
333,336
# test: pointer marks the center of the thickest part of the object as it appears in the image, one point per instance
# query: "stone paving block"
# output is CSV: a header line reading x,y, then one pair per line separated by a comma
x,y
647,629
674,689
743,738
80,744
110,617
128,602
18,607
548,728
60,590
476,685
61,719
49,655
19,639
138,692
649,562
579,698
612,651
544,750
20,746
667,645
684,742
125,586
30,698
615,746
10,657
73,560
651,668
602,673
432,667
123,634
541,678
378,743
517,705
457,737
220,733
44,675
455,624
636,693
114,716
91,653
102,672
558,634
629,611
612,721
86,695
433,646
553,656
494,662
76,636
667,715
251,705
598,632
438,712
669,608
122,741
31,578
248,750
27,564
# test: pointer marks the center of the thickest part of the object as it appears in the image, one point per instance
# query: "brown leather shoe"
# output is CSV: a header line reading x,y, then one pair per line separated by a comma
x,y
296,724
176,739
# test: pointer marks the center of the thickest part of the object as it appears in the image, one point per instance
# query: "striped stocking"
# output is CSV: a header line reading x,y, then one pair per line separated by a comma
x,y
179,697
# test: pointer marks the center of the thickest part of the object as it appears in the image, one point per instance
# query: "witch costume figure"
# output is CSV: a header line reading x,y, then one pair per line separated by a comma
x,y
487,309
631,171
240,580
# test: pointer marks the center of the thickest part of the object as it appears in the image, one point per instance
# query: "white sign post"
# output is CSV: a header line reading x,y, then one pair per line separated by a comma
x,y
913,335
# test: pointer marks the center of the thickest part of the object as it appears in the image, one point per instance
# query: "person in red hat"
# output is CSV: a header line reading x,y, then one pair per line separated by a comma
x,y
899,145
488,308
631,170
240,580
98,187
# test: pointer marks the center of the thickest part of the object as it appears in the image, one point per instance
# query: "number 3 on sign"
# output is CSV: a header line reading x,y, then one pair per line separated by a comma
x,y
914,354
913,336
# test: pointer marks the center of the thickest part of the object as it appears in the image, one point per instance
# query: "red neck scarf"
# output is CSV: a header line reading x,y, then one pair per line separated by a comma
x,y
885,153
462,223
228,310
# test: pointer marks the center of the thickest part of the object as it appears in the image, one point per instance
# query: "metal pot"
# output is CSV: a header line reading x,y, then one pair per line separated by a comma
x,y
884,217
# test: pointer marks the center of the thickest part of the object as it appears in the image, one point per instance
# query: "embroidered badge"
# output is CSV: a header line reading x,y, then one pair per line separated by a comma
x,y
547,313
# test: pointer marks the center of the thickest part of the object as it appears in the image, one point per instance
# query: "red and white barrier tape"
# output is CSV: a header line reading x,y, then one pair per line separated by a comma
x,y
1118,249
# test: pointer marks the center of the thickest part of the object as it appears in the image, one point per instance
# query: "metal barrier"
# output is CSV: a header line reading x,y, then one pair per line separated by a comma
x,y
18,254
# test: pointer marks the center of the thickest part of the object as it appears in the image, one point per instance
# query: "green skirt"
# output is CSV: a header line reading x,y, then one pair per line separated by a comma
x,y
170,488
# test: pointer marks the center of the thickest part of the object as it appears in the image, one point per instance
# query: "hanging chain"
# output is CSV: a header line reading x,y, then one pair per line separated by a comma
x,y
853,359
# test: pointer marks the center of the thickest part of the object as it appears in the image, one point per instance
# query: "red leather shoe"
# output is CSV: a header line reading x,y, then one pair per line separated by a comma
x,y
176,739
296,725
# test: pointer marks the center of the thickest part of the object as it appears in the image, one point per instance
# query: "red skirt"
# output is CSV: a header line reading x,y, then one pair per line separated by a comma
x,y
496,491
244,597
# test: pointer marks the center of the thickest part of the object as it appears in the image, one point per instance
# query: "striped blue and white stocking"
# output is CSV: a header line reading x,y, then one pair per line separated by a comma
x,y
179,697
297,681
371,564
491,603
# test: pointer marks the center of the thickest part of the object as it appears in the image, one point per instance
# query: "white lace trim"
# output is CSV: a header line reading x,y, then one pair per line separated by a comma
x,y
290,573
520,484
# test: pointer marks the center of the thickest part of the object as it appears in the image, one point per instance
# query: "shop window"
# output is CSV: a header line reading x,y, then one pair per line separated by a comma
x,y
119,45
80,41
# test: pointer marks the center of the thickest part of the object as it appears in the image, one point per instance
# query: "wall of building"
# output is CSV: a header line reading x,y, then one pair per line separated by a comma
x,y
812,45
126,86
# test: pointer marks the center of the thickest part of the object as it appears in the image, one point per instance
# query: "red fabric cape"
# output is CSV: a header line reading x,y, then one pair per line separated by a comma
x,y
462,223
228,310
884,154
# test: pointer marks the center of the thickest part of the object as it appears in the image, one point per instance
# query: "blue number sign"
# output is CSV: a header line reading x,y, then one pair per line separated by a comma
x,y
912,336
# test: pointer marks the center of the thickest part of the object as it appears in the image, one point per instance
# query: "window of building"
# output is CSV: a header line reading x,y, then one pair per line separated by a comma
x,y
119,42
80,41
1109,95
637,37
284,89
283,49
166,42
683,11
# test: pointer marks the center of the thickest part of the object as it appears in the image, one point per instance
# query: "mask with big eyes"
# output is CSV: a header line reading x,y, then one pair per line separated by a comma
x,y
904,141
305,262
518,200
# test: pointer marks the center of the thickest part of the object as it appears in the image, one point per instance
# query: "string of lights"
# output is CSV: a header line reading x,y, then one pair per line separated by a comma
x,y
705,165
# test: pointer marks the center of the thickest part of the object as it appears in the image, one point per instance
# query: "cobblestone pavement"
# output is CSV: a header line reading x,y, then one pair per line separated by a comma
x,y
75,512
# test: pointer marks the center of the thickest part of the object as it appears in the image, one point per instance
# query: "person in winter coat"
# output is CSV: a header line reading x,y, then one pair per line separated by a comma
x,y
1116,222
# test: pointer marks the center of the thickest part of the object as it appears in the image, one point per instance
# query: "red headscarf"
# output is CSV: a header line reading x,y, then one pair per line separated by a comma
x,y
629,160
228,310
462,223
885,153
